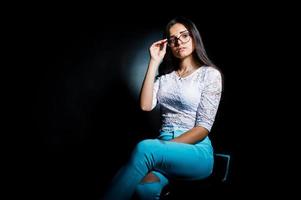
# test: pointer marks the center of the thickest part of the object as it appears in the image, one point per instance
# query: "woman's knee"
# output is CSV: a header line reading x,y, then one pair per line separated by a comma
x,y
150,190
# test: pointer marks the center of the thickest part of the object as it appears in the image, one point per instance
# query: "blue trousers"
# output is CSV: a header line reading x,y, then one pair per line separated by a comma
x,y
165,160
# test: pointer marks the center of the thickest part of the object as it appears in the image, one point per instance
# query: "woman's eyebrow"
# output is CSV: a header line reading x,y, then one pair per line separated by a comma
x,y
179,33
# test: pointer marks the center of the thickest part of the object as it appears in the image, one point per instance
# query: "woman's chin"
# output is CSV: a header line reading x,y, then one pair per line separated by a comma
x,y
182,55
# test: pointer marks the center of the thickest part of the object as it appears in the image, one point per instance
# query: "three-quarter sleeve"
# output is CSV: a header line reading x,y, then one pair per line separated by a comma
x,y
210,98
155,91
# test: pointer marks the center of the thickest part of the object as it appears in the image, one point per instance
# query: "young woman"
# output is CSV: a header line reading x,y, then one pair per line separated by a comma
x,y
188,92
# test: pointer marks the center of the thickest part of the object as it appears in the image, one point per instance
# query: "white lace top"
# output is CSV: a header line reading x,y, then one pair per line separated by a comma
x,y
189,101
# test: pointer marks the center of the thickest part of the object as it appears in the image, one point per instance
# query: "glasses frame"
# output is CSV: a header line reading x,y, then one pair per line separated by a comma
x,y
177,38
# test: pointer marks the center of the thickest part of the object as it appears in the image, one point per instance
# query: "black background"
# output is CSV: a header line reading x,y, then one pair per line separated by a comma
x,y
74,121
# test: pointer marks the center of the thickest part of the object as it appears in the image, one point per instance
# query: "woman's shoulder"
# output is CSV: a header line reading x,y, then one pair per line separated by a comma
x,y
211,71
166,75
209,74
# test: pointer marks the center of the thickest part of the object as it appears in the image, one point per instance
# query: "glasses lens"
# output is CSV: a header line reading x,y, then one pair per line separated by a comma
x,y
184,37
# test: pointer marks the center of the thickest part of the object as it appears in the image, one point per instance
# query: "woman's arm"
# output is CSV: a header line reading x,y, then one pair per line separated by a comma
x,y
146,95
157,52
192,136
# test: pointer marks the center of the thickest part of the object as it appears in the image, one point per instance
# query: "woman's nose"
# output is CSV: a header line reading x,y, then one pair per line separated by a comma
x,y
177,43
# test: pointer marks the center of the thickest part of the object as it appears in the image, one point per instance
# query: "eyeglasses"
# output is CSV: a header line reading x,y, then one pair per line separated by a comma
x,y
184,38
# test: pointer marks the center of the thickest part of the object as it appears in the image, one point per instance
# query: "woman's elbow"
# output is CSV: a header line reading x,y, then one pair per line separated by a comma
x,y
146,108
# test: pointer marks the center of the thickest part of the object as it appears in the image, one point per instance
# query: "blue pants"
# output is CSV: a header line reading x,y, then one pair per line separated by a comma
x,y
165,160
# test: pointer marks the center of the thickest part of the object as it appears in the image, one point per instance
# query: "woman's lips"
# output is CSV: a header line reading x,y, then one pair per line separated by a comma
x,y
181,49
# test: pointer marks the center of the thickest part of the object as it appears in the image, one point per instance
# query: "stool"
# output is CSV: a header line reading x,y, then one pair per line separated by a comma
x,y
200,188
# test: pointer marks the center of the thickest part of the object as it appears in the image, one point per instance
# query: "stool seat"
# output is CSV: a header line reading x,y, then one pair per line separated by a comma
x,y
184,189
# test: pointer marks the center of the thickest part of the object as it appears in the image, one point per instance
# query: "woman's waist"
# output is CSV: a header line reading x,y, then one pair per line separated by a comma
x,y
171,133
176,128
177,122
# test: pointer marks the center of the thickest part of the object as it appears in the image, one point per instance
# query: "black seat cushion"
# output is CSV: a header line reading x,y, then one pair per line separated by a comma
x,y
205,187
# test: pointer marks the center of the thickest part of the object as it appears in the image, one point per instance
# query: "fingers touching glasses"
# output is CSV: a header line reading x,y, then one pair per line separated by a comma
x,y
183,37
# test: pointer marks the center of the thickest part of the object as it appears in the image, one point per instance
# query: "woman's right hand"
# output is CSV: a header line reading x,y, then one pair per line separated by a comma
x,y
157,50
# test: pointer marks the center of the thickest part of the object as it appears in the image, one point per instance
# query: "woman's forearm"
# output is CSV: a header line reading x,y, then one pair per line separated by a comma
x,y
192,136
146,94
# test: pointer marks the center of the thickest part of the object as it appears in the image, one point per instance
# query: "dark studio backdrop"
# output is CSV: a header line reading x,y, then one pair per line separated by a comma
x,y
79,93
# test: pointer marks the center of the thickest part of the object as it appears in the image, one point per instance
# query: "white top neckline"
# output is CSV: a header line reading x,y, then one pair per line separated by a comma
x,y
194,72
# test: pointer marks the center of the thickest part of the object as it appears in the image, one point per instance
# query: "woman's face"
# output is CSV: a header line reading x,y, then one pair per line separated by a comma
x,y
180,41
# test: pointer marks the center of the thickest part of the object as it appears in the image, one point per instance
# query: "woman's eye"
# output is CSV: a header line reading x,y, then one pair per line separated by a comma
x,y
185,35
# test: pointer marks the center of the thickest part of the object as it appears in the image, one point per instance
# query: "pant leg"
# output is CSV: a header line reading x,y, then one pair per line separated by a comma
x,y
151,190
178,160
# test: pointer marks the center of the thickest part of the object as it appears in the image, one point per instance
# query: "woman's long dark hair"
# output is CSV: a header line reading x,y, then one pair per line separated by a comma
x,y
171,63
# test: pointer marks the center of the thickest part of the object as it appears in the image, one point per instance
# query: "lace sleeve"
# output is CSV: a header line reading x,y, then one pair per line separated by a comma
x,y
155,91
210,99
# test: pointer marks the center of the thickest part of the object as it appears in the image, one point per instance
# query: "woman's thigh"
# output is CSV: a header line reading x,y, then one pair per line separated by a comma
x,y
180,160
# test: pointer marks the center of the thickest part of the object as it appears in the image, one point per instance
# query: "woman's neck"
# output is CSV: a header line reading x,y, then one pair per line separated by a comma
x,y
188,64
